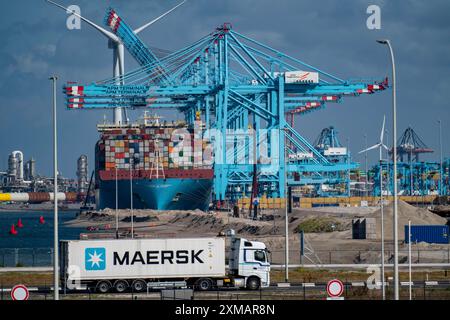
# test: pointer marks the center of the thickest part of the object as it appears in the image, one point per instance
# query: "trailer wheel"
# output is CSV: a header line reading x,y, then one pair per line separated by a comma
x,y
253,283
203,284
121,286
138,285
103,286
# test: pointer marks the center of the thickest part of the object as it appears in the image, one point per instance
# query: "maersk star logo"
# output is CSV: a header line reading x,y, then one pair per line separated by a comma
x,y
95,258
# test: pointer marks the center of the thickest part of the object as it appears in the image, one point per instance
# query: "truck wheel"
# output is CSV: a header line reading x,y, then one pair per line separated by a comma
x,y
203,284
253,283
121,286
103,286
138,285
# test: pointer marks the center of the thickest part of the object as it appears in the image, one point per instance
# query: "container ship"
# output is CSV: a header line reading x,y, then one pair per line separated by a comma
x,y
161,164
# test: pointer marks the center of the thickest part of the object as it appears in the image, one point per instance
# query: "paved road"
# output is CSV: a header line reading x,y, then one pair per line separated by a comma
x,y
291,287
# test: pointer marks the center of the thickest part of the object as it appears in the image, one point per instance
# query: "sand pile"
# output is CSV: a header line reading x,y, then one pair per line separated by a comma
x,y
207,223
418,216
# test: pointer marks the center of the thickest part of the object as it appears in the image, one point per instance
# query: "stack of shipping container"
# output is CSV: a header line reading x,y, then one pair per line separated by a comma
x,y
171,147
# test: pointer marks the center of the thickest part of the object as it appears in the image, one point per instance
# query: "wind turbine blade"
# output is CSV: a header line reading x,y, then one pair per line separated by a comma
x,y
159,18
370,148
105,32
384,146
382,130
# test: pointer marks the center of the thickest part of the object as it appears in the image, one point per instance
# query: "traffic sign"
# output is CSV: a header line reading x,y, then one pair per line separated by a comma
x,y
335,288
20,292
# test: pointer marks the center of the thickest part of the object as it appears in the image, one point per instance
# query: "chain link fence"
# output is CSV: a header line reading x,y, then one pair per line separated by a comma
x,y
26,257
43,257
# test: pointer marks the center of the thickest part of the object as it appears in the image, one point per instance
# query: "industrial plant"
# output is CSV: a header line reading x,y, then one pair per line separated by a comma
x,y
22,177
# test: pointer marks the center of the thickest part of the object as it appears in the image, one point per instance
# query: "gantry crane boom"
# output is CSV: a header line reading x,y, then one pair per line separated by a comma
x,y
231,80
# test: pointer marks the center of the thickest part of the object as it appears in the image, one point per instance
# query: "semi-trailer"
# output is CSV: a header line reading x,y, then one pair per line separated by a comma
x,y
141,264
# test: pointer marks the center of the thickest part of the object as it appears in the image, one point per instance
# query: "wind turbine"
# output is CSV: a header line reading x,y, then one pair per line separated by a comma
x,y
380,145
118,49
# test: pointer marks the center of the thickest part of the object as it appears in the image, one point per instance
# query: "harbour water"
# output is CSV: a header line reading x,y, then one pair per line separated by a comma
x,y
33,234
32,245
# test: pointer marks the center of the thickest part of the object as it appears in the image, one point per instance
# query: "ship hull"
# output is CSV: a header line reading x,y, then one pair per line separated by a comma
x,y
157,194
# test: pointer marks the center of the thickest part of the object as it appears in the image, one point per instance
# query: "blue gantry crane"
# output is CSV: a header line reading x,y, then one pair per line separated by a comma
x,y
415,177
337,183
242,91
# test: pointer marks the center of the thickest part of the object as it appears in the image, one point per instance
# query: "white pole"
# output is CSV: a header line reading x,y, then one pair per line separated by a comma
x,y
440,160
367,174
117,205
394,144
383,289
411,171
55,197
131,197
286,221
118,63
348,163
394,155
388,168
409,259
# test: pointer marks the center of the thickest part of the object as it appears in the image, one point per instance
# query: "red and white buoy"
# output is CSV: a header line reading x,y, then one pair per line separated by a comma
x,y
13,230
19,223
41,220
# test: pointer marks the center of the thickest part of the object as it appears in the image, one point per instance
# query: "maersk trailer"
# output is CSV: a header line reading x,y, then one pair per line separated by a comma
x,y
138,264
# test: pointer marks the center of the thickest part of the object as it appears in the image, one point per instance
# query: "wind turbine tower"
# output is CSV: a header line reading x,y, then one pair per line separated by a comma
x,y
118,48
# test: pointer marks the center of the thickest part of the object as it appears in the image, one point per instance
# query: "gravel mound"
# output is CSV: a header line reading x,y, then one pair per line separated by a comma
x,y
418,216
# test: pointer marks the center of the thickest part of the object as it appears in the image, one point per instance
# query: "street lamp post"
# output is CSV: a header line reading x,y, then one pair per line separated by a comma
x,y
133,161
117,206
131,197
367,174
55,196
380,145
286,221
388,168
411,171
348,169
394,156
440,159
383,288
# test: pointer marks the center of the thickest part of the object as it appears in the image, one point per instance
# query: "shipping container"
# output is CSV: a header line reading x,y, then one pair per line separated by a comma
x,y
196,262
428,233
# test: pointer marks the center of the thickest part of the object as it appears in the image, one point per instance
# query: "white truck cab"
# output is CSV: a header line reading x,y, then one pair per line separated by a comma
x,y
249,260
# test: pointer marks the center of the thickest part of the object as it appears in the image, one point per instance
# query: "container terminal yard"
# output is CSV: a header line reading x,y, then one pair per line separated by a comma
x,y
229,199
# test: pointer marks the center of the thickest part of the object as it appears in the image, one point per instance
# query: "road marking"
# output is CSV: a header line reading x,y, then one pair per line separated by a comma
x,y
358,284
431,283
308,284
379,284
29,289
406,283
283,285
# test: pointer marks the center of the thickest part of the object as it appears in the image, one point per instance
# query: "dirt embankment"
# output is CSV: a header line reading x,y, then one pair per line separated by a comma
x,y
406,212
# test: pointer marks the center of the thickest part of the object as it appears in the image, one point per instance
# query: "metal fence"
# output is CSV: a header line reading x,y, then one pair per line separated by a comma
x,y
26,257
372,256
42,257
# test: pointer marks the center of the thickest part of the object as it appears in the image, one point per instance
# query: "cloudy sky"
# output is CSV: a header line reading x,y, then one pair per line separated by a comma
x,y
329,34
